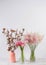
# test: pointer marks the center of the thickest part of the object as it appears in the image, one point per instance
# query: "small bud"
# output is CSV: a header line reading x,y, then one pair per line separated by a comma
x,y
12,30
4,29
23,29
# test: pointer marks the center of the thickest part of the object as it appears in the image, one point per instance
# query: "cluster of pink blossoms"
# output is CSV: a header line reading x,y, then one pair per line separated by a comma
x,y
33,38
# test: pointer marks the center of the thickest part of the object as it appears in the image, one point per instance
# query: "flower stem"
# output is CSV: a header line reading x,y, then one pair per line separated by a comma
x,y
32,56
22,54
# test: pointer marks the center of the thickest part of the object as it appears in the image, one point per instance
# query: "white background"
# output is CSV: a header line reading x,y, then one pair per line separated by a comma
x,y
28,14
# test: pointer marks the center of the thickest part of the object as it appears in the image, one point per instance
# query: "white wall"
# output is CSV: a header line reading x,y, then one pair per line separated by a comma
x,y
28,14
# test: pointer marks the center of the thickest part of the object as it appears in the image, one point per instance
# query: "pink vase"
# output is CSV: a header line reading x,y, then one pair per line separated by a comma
x,y
12,57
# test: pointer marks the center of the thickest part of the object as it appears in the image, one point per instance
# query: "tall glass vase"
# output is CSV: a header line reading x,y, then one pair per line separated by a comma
x,y
32,55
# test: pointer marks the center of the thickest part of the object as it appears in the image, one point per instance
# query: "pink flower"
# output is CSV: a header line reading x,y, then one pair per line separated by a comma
x,y
28,37
20,43
33,38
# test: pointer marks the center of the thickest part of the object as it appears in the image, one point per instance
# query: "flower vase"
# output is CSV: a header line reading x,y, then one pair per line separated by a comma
x,y
32,56
32,49
12,57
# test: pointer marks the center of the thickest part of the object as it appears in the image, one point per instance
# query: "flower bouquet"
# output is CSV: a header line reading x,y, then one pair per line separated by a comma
x,y
32,40
20,43
10,43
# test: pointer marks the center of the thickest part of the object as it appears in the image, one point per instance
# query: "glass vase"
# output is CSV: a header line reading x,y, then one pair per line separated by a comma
x,y
32,56
32,49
